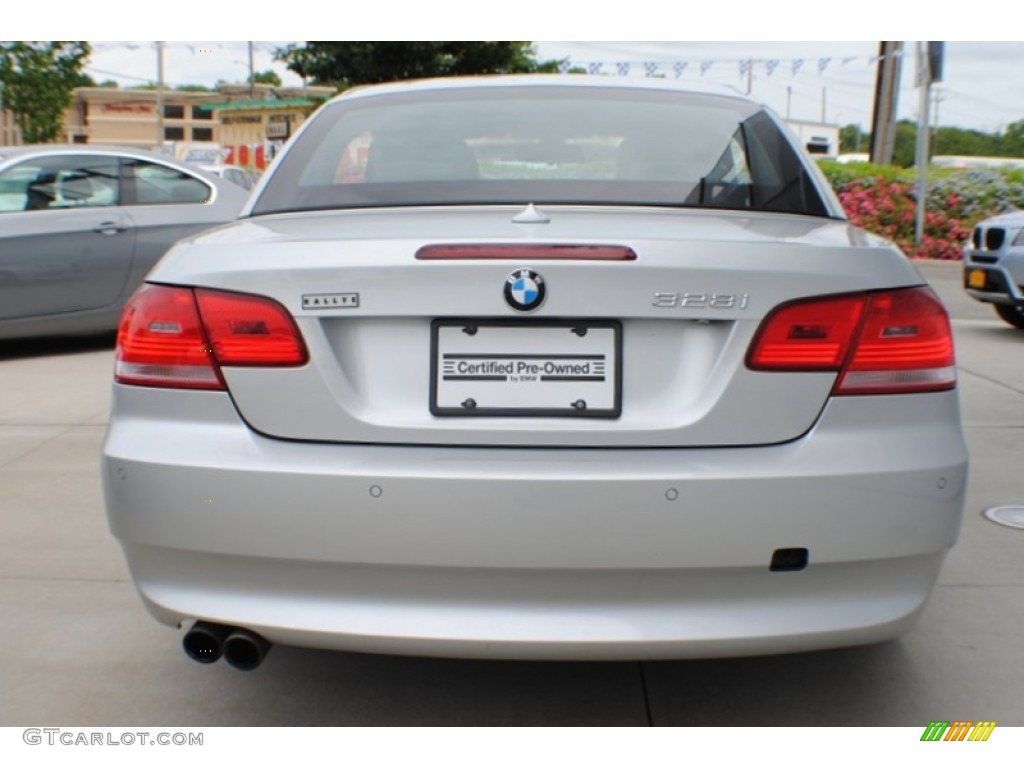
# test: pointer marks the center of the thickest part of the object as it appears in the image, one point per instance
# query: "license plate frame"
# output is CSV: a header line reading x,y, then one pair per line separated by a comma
x,y
477,359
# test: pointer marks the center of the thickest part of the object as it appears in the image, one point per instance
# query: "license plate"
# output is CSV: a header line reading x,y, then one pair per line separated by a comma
x,y
976,278
514,368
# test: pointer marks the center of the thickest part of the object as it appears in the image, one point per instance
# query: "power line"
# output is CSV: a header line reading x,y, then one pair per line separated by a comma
x,y
117,74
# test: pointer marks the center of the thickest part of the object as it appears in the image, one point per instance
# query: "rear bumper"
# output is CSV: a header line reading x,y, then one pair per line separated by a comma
x,y
537,553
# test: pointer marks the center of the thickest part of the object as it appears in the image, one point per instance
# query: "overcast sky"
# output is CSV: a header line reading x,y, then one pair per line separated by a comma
x,y
982,88
982,85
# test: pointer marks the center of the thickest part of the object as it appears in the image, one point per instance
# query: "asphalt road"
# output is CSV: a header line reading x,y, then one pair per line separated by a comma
x,y
78,648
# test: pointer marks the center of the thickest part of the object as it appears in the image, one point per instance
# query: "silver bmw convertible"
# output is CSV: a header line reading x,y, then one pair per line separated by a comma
x,y
536,367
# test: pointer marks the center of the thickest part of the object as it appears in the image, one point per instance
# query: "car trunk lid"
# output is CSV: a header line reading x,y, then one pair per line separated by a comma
x,y
670,329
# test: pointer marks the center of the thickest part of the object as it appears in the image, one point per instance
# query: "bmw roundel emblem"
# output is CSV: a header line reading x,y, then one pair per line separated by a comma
x,y
525,290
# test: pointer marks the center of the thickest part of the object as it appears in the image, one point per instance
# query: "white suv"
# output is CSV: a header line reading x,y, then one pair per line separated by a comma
x,y
994,266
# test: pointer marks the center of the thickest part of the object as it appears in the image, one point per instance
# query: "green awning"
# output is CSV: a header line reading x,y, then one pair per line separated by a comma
x,y
227,106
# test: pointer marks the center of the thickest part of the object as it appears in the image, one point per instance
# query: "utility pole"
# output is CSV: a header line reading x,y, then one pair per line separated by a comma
x,y
789,99
252,75
159,96
823,120
887,86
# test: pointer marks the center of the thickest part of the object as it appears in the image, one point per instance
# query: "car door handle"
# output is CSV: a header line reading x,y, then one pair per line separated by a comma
x,y
109,228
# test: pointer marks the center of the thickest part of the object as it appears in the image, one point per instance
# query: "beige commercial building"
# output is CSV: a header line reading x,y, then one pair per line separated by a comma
x,y
9,133
130,117
245,122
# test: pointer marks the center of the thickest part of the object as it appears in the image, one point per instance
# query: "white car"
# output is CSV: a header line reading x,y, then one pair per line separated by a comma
x,y
536,367
241,177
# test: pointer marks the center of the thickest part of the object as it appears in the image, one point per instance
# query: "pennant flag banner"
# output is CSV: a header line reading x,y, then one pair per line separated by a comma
x,y
894,54
677,68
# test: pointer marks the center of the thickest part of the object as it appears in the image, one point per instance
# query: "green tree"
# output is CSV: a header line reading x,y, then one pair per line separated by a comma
x,y
1011,143
961,141
853,138
947,140
267,77
354,63
36,82
905,144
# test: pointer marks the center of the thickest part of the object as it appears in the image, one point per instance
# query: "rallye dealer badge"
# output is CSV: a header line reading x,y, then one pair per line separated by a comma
x,y
330,300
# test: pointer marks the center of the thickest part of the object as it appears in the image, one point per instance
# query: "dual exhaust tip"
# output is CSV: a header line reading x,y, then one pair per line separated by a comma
x,y
206,643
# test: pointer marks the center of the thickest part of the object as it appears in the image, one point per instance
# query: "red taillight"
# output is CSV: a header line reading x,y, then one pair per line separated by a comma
x,y
905,345
174,337
161,343
807,336
250,330
879,343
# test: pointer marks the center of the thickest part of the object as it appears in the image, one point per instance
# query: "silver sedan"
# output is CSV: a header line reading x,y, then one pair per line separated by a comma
x,y
80,226
531,367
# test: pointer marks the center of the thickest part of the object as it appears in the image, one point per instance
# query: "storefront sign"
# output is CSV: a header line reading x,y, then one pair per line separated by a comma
x,y
240,119
127,108
279,127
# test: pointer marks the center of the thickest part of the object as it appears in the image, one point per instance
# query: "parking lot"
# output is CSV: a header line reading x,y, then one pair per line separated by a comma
x,y
78,647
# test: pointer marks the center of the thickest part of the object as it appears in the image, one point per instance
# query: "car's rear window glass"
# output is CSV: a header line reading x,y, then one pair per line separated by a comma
x,y
517,145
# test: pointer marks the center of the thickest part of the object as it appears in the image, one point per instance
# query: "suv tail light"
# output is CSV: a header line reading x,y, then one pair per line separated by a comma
x,y
179,337
879,343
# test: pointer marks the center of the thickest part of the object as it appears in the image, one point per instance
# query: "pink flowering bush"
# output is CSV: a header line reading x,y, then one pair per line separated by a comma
x,y
889,209
883,201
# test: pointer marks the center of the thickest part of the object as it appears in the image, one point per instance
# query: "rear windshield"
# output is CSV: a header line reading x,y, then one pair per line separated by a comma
x,y
517,145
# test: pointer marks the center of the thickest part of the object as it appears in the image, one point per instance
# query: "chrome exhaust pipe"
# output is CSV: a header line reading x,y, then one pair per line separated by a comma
x,y
204,642
245,650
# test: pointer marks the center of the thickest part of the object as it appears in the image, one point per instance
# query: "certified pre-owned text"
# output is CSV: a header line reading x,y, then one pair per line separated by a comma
x,y
494,367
